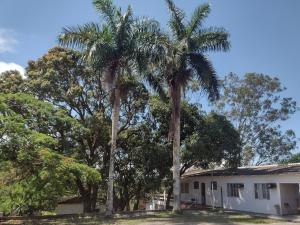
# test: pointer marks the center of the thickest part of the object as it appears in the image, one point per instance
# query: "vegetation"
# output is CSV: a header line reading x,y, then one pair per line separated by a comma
x,y
182,61
36,169
105,116
165,218
115,50
295,158
256,107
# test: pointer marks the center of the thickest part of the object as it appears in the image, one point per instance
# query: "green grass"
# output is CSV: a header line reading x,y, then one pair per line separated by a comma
x,y
160,218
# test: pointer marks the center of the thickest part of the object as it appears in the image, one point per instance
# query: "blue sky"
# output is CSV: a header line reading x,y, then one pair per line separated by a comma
x,y
265,35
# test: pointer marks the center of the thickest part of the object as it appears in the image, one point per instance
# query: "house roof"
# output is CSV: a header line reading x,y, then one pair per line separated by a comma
x,y
247,171
71,200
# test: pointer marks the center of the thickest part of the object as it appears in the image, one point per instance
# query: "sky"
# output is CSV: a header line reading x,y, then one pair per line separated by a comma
x,y
264,35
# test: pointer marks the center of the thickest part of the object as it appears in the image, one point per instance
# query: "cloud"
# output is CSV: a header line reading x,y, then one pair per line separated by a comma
x,y
11,66
7,41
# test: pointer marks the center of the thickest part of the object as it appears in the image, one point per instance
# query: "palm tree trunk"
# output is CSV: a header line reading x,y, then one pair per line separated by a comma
x,y
176,98
114,131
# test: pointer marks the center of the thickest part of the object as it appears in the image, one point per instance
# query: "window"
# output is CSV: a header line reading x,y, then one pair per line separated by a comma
x,y
196,185
261,191
233,190
184,187
213,185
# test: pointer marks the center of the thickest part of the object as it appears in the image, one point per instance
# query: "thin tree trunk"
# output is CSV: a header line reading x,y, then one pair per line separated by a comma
x,y
114,131
138,197
126,198
176,98
87,203
94,197
170,191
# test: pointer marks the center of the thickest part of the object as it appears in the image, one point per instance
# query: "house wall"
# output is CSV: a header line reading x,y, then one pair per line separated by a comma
x,y
246,201
63,209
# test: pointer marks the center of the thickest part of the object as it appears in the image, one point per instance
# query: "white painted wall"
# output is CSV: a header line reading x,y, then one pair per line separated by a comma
x,y
246,201
63,209
156,204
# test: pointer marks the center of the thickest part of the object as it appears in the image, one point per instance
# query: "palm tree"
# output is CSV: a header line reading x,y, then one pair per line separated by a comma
x,y
182,60
116,48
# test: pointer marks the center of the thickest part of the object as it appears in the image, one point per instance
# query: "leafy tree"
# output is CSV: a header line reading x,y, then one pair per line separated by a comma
x,y
256,107
295,158
116,51
142,162
62,78
40,168
11,81
218,143
183,59
206,138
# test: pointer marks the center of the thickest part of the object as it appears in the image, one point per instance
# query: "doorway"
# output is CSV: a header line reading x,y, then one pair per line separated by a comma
x,y
289,193
203,198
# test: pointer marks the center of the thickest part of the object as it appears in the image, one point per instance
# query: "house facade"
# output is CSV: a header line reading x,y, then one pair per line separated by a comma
x,y
272,189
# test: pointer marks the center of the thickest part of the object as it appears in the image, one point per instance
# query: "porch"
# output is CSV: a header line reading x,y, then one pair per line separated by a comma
x,y
289,196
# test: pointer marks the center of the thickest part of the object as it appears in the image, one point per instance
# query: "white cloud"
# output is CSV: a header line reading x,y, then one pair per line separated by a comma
x,y
11,66
7,41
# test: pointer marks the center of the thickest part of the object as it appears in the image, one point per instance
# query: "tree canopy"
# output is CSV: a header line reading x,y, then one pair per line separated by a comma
x,y
40,167
256,106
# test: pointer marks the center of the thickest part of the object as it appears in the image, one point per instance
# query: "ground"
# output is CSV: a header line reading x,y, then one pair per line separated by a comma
x,y
158,218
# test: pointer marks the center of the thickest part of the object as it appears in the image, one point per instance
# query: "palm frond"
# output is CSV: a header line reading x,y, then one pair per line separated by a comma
x,y
124,29
199,14
157,84
211,39
100,54
149,40
79,36
176,20
206,75
108,11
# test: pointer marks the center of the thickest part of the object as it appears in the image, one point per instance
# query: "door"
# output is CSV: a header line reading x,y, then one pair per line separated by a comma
x,y
203,198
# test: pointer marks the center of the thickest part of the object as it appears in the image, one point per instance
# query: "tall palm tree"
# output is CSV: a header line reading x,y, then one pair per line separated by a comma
x,y
116,47
182,60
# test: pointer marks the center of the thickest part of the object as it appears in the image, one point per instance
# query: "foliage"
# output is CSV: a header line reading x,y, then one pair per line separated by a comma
x,y
11,81
115,49
55,140
62,78
39,172
206,138
295,158
216,141
181,60
181,57
82,96
256,107
142,162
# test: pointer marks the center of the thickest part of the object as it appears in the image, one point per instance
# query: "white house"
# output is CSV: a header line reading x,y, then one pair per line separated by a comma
x,y
70,206
272,189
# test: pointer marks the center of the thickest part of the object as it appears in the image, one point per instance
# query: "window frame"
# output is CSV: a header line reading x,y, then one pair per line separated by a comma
x,y
185,188
233,190
196,185
261,191
214,185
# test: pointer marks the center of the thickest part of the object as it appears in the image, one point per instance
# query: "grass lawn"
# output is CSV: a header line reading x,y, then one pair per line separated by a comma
x,y
159,218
